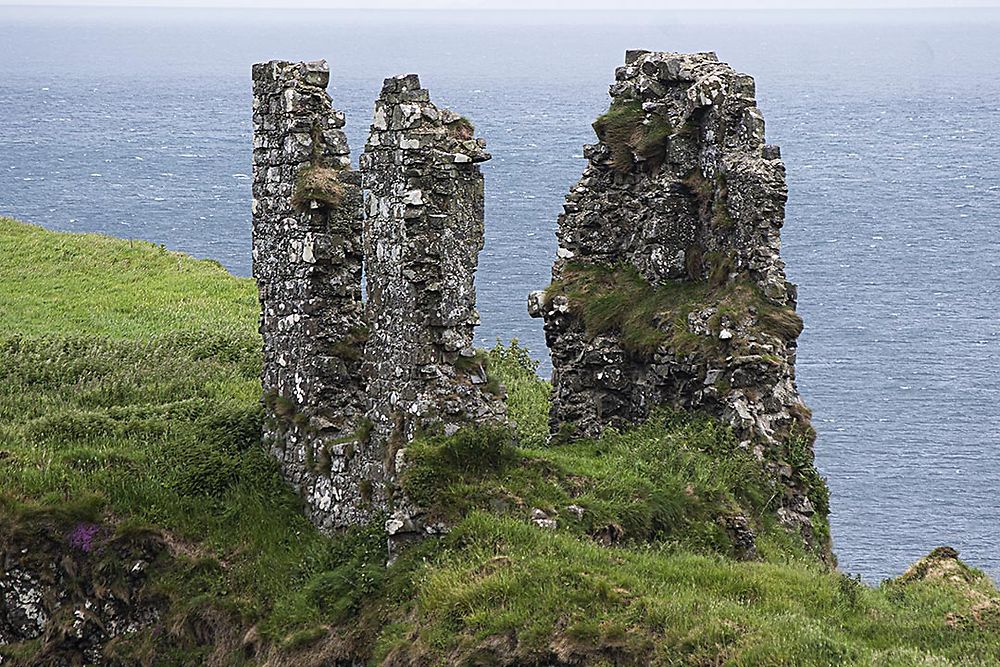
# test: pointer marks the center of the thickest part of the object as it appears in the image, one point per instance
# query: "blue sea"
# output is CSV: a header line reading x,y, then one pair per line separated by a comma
x,y
136,123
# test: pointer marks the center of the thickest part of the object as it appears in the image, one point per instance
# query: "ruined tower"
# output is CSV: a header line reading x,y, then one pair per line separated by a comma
x,y
307,260
423,234
668,287
349,384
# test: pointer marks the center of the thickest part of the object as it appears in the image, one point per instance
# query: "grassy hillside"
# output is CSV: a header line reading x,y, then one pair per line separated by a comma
x,y
129,415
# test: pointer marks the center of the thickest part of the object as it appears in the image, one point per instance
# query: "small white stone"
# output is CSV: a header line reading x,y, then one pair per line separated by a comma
x,y
379,121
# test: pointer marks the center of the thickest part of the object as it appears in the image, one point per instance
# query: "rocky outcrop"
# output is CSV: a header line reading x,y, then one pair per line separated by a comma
x,y
348,384
69,591
668,286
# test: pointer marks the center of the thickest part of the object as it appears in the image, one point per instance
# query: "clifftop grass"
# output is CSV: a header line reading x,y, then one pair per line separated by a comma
x,y
87,284
129,400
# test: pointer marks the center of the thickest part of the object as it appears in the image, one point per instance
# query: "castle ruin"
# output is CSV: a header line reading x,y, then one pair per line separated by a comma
x,y
668,287
349,383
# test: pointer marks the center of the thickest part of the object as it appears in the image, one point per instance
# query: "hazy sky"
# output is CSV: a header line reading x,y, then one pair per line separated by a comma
x,y
525,4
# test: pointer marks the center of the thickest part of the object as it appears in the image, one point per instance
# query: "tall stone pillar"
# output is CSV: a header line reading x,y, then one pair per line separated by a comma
x,y
307,260
668,286
423,234
348,385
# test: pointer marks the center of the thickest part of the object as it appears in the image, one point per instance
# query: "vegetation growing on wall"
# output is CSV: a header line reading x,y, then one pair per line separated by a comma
x,y
645,317
320,185
630,133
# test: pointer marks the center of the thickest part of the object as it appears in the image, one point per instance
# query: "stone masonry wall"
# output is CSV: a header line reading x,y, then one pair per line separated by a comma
x,y
423,234
348,384
682,189
307,260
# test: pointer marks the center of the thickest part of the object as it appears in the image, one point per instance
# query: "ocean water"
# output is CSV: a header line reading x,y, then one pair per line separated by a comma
x,y
136,123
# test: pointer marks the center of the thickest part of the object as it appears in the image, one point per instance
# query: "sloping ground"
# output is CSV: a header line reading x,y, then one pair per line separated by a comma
x,y
141,523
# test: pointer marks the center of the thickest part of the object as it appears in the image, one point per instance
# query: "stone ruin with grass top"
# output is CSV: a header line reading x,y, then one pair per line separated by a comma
x,y
668,286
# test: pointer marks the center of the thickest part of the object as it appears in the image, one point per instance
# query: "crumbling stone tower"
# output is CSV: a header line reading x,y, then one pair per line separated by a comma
x,y
307,260
668,287
349,384
423,234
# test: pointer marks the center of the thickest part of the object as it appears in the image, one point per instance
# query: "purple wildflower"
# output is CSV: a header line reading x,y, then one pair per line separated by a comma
x,y
83,535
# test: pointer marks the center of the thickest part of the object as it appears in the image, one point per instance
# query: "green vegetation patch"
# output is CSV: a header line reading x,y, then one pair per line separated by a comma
x,y
140,434
501,592
645,317
630,132
462,128
74,284
673,480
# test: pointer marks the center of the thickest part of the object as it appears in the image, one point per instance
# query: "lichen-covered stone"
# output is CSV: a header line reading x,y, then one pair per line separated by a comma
x,y
307,260
682,187
423,234
349,384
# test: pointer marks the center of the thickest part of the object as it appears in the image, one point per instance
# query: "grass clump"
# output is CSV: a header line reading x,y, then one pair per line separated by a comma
x,y
502,592
318,185
721,217
629,133
527,396
672,480
620,300
712,199
462,128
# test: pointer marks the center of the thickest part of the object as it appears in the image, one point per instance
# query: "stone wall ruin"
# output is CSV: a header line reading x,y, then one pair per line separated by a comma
x,y
668,287
349,383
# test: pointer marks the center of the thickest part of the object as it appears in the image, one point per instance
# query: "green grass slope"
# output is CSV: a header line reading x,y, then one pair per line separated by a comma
x,y
129,401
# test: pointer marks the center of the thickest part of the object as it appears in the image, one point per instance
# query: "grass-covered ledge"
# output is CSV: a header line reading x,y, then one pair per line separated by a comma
x,y
619,299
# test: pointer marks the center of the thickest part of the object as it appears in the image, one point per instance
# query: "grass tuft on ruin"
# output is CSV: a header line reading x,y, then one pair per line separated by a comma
x,y
646,317
631,133
317,185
